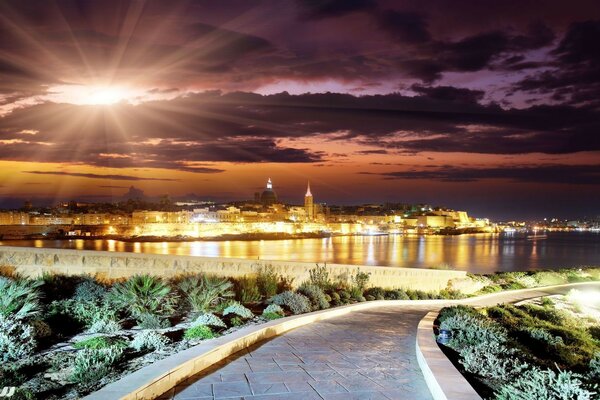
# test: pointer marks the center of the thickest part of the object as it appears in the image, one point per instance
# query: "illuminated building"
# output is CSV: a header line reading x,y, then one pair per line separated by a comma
x,y
268,196
309,204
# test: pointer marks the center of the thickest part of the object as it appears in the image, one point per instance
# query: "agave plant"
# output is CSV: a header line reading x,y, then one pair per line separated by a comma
x,y
20,299
202,291
143,296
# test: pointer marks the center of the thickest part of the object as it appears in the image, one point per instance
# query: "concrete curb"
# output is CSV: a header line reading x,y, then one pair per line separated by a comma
x,y
156,379
445,382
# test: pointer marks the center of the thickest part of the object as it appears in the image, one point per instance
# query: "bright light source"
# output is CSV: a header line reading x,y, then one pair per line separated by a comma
x,y
90,94
584,298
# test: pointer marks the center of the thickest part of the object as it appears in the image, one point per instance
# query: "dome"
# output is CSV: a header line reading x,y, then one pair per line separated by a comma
x,y
268,196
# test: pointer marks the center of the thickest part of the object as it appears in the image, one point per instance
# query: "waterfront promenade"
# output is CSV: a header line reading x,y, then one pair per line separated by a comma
x,y
366,354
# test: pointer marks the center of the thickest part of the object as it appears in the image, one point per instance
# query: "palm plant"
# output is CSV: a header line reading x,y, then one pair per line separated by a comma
x,y
202,292
20,299
143,296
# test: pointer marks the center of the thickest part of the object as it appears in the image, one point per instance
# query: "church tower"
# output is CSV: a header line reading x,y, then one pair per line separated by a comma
x,y
309,205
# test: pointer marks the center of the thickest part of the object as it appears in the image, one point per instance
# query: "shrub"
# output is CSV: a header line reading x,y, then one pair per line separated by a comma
x,y
356,293
89,290
271,316
344,296
274,309
149,340
267,281
246,289
88,312
40,328
17,339
361,280
335,298
376,292
491,360
202,292
152,321
104,326
295,302
144,297
536,384
315,294
91,365
209,319
19,298
319,276
448,312
100,342
468,331
594,367
544,336
239,310
199,332
237,321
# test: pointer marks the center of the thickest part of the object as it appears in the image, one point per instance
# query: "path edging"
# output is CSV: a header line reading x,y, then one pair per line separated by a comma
x,y
445,382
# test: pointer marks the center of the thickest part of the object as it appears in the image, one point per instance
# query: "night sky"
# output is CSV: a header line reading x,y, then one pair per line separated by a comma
x,y
492,107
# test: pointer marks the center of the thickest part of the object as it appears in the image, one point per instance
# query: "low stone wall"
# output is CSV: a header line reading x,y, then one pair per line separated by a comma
x,y
107,265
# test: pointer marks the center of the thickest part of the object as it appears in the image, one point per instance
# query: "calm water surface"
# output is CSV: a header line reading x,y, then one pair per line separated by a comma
x,y
480,253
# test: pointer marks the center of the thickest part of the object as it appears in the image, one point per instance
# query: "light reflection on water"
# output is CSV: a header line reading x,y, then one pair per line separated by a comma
x,y
475,253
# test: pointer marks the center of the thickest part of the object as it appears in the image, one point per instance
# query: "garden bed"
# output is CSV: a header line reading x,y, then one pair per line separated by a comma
x,y
547,348
62,337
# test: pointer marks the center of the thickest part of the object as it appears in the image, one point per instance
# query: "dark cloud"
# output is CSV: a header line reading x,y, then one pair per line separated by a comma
x,y
574,76
404,26
98,176
318,9
190,133
567,174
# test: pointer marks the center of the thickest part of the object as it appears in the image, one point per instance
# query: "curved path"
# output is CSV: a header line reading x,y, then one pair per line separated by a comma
x,y
363,355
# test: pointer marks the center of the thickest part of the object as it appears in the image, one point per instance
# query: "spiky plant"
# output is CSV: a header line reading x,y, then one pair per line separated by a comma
x,y
143,295
19,299
202,291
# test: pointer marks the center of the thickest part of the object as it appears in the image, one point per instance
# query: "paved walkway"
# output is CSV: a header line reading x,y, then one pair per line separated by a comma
x,y
363,355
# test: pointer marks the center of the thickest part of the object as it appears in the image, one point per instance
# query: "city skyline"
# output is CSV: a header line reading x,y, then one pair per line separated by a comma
x,y
460,104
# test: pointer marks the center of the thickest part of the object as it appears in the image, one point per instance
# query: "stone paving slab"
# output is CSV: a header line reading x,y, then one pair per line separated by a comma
x,y
364,355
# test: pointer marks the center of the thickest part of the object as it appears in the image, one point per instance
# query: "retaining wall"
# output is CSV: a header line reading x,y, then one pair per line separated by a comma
x,y
108,265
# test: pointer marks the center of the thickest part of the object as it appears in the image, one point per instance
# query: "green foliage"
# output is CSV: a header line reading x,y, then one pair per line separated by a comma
x,y
89,291
376,293
395,294
91,365
448,312
201,292
361,280
104,326
239,310
469,330
209,319
319,276
100,342
491,360
267,281
11,375
246,290
199,332
271,316
152,321
19,298
274,309
237,321
536,384
145,298
544,336
149,340
295,302
17,339
315,294
594,367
